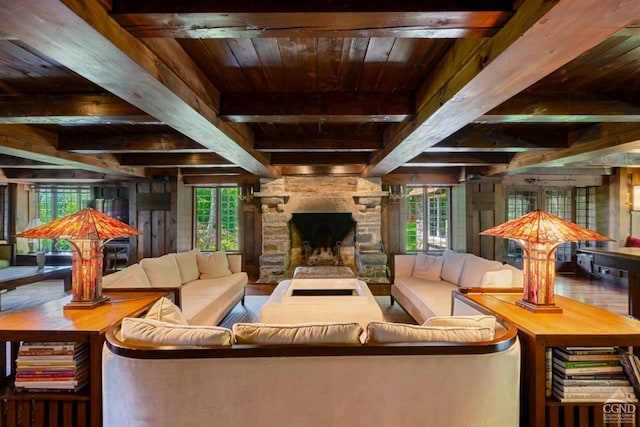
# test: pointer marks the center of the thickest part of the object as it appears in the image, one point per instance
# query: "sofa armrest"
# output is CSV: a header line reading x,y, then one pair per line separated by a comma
x,y
235,262
403,265
475,289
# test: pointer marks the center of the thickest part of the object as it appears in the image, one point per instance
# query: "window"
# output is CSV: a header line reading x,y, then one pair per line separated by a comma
x,y
586,210
427,219
57,202
216,218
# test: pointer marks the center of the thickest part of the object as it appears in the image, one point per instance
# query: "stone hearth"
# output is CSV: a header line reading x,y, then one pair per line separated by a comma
x,y
359,247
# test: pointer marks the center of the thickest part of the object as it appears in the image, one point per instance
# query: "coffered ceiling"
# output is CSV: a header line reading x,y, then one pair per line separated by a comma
x,y
231,91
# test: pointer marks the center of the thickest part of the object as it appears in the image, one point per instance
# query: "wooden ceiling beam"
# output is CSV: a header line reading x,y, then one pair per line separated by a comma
x,y
284,108
152,160
56,175
458,159
220,180
315,18
319,159
333,170
220,171
561,107
70,109
495,141
317,144
38,145
472,80
418,176
603,140
135,73
129,143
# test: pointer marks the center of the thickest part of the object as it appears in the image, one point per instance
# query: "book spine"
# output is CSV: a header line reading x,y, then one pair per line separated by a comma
x,y
587,363
548,371
596,389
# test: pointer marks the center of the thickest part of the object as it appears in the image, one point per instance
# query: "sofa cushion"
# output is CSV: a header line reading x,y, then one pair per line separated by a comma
x,y
207,301
385,332
474,269
187,265
213,264
473,321
502,278
430,298
162,271
427,267
452,264
518,276
301,333
153,332
166,311
131,277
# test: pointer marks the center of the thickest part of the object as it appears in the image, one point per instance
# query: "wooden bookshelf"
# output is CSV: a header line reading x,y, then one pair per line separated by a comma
x,y
579,324
50,322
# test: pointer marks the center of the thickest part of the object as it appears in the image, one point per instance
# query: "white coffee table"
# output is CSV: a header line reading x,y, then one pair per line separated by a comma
x,y
321,300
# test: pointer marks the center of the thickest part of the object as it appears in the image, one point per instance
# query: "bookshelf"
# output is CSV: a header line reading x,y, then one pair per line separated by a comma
x,y
579,324
50,323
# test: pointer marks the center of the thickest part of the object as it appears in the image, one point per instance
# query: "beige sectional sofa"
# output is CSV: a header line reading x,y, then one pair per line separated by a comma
x,y
423,283
313,374
206,285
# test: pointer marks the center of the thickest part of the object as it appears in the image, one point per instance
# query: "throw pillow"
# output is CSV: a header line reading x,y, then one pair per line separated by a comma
x,y
166,311
427,267
153,332
188,265
517,280
213,265
301,333
497,279
632,242
474,321
162,271
387,333
131,277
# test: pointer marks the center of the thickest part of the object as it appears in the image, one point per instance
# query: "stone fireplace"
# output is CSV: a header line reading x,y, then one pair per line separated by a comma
x,y
309,221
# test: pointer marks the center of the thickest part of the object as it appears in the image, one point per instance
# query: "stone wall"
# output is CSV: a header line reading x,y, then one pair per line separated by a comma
x,y
283,197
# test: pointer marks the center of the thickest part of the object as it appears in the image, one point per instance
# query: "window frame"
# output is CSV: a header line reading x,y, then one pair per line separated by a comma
x,y
426,218
219,226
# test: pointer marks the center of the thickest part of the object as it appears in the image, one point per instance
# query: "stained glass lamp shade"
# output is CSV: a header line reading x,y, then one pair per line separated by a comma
x,y
87,231
540,233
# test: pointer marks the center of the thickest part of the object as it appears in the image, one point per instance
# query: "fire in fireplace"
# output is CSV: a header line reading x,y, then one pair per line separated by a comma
x,y
319,237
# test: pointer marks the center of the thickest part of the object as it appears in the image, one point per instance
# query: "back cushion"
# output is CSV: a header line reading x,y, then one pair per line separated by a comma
x,y
502,278
474,269
131,277
162,271
452,263
427,267
477,321
386,333
213,265
301,333
155,332
188,265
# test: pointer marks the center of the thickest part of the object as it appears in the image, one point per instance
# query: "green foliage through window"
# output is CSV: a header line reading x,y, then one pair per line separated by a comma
x,y
216,218
57,202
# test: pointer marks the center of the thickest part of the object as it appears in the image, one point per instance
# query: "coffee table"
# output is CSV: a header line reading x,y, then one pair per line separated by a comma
x,y
321,300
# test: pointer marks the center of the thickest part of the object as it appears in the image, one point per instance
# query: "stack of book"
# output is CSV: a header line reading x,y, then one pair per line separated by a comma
x,y
52,366
590,374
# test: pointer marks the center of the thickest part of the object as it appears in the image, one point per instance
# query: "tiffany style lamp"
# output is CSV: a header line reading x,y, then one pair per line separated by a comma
x,y
540,233
87,231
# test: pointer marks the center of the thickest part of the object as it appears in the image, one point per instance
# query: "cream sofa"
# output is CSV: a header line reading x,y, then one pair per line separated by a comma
x,y
330,380
423,283
206,285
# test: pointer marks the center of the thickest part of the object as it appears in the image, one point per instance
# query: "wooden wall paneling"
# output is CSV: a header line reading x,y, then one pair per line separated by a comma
x,y
248,237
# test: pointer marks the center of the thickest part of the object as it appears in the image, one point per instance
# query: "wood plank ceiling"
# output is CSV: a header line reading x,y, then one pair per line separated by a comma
x,y
231,91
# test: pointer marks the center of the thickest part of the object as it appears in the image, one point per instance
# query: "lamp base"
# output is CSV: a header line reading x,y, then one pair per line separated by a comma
x,y
538,308
72,305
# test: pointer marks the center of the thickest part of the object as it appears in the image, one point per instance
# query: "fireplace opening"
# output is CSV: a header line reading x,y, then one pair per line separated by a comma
x,y
322,238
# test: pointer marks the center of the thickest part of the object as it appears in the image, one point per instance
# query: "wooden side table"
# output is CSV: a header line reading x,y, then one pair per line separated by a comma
x,y
579,324
49,322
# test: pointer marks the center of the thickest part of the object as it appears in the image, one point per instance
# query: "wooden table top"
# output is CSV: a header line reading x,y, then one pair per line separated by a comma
x,y
579,321
52,317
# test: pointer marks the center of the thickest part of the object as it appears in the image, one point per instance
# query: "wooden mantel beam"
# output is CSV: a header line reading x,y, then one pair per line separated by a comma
x,y
135,73
470,80
313,18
